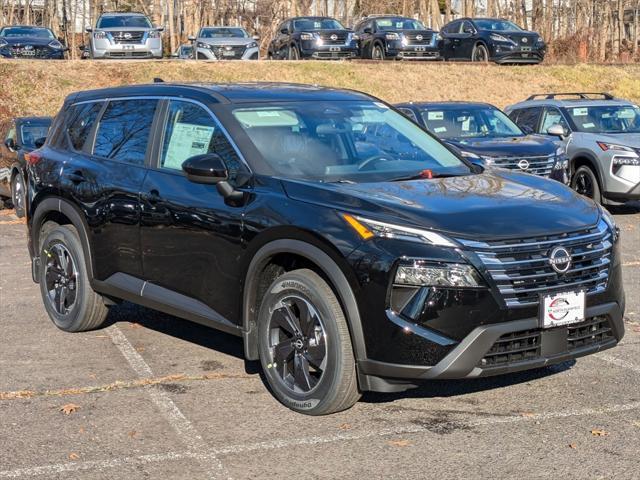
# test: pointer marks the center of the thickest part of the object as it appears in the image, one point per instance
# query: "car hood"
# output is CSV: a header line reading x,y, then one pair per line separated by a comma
x,y
626,139
492,205
530,145
226,41
35,41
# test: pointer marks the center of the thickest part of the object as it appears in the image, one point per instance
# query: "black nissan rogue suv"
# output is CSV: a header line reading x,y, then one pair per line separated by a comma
x,y
284,214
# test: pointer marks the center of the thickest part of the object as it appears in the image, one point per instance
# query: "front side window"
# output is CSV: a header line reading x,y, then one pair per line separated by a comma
x,y
16,32
223,33
124,129
136,21
344,141
469,122
605,118
551,117
497,25
190,130
82,119
304,24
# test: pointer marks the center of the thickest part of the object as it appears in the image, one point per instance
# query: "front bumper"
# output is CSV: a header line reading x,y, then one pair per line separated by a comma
x,y
529,55
104,48
41,53
210,54
505,348
309,49
412,52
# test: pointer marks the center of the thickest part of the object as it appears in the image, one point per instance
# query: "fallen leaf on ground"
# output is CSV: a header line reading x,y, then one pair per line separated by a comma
x,y
73,456
597,432
134,325
528,414
69,408
345,426
573,445
132,434
139,348
399,443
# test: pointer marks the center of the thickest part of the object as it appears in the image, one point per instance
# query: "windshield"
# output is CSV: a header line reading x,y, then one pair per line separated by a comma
x,y
13,32
499,25
223,33
385,24
30,132
606,118
468,122
362,141
317,24
137,21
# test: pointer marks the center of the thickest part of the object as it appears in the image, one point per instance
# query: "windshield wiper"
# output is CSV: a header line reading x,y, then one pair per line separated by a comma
x,y
421,176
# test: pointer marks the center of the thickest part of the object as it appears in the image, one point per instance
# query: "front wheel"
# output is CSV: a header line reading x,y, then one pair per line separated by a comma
x,y
377,53
305,346
18,194
294,53
585,182
480,54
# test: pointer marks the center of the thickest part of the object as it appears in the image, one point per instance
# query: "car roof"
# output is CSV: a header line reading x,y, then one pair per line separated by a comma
x,y
444,104
311,17
226,93
123,14
24,26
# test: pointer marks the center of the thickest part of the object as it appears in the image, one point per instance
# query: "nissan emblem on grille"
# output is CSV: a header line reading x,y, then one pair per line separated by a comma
x,y
419,37
523,164
524,40
334,37
560,259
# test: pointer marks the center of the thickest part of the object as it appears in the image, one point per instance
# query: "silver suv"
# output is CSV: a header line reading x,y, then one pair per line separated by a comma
x,y
125,35
602,134
225,43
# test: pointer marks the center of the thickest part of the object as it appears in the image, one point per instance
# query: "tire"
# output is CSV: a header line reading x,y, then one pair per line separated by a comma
x,y
480,53
18,194
82,309
377,52
585,182
293,53
317,375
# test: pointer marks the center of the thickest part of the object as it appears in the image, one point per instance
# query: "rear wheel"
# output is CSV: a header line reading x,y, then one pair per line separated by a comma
x,y
480,54
18,194
305,347
64,283
585,182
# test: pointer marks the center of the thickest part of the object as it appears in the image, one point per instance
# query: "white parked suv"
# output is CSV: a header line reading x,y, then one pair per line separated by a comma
x,y
225,43
602,135
125,35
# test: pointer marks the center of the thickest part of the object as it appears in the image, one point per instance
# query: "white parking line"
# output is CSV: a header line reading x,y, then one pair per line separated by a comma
x,y
183,427
213,454
617,361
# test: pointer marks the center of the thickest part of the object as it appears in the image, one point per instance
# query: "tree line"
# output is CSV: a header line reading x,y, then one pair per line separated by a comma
x,y
576,30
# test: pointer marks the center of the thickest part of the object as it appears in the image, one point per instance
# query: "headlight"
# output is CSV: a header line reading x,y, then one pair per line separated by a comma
x,y
540,40
253,45
99,35
392,36
306,36
204,45
621,161
56,44
499,38
454,275
372,228
3,43
466,154
154,34
611,223
438,37
612,146
355,37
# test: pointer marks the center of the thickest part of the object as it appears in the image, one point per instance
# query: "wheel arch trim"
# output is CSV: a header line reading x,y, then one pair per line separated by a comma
x,y
328,266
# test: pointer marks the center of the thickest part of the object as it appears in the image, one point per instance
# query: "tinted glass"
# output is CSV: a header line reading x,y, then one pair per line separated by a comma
x,y
82,118
606,118
468,122
316,24
123,131
497,25
453,27
409,113
527,118
223,32
190,130
398,24
550,117
27,32
124,21
355,141
32,131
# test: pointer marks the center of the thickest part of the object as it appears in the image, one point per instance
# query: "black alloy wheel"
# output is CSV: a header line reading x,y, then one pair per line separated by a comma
x,y
480,54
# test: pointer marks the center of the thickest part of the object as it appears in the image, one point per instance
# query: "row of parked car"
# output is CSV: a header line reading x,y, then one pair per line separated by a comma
x,y
588,141
380,37
353,245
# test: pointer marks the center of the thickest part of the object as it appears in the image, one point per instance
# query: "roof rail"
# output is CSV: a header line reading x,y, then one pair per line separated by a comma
x,y
581,95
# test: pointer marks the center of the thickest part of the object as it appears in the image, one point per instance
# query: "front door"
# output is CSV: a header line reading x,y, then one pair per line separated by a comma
x,y
191,236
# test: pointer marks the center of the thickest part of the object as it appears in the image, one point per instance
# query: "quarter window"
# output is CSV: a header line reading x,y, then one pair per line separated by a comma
x,y
83,117
124,129
190,130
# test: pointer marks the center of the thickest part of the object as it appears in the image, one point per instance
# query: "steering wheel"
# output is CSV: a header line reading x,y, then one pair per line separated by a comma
x,y
372,159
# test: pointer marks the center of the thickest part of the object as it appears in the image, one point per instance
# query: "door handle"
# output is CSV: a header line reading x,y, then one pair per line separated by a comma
x,y
76,177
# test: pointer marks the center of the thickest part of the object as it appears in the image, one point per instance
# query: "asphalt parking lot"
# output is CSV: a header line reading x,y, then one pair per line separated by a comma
x,y
151,396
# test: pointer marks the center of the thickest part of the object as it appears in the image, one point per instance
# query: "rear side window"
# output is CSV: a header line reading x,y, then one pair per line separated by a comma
x,y
124,129
82,119
527,118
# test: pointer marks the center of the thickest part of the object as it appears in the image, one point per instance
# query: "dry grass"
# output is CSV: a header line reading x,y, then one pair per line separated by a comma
x,y
38,88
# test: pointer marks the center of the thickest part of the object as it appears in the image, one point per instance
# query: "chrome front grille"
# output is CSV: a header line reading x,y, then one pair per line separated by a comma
x,y
537,165
337,38
522,271
425,38
127,37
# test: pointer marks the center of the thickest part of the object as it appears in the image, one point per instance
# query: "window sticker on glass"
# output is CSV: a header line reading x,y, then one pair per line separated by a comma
x,y
466,124
580,112
435,115
440,129
588,125
186,141
317,25
626,113
267,118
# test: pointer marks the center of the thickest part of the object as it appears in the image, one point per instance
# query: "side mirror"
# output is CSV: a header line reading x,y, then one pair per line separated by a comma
x,y
256,37
367,30
208,168
192,38
557,130
160,29
88,29
39,142
284,31
10,143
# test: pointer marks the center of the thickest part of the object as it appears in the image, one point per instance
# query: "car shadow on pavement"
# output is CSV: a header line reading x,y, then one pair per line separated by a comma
x,y
452,388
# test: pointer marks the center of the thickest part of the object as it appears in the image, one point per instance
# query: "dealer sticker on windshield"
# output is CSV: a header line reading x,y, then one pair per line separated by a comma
x,y
562,309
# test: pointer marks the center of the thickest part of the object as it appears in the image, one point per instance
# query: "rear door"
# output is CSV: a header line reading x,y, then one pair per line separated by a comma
x,y
468,37
191,236
452,39
104,175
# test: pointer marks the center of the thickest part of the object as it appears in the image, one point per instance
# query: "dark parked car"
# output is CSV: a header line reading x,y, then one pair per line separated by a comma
x,y
312,37
25,41
281,213
393,37
480,130
491,39
23,135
